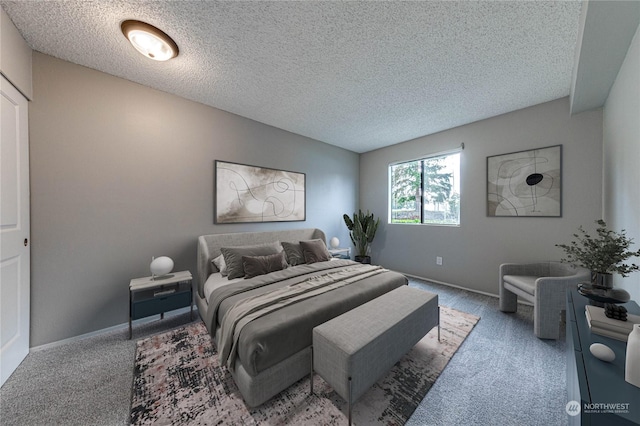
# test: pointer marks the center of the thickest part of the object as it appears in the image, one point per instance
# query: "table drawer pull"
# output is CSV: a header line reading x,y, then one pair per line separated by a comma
x,y
164,292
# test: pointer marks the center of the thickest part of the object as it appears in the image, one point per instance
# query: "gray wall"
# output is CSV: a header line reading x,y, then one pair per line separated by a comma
x,y
622,157
472,252
15,56
121,173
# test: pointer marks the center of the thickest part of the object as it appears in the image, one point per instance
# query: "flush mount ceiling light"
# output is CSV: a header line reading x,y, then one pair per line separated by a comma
x,y
149,40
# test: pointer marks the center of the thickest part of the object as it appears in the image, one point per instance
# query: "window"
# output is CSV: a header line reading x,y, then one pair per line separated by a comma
x,y
426,190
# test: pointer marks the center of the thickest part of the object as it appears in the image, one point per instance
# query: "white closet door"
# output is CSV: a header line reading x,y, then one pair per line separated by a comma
x,y
14,230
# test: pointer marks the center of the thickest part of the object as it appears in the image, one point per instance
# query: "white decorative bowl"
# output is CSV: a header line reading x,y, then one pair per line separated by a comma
x,y
335,242
161,266
602,352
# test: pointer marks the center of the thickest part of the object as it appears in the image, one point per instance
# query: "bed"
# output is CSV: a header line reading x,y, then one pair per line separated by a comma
x,y
269,349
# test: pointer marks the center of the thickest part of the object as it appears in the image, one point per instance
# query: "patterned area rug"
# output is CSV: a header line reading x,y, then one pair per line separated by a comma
x,y
178,380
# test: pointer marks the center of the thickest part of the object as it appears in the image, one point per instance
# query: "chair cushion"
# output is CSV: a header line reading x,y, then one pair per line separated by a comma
x,y
526,283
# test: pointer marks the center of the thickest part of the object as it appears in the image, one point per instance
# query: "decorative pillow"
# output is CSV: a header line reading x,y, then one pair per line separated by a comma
x,y
315,251
233,256
294,253
218,262
260,265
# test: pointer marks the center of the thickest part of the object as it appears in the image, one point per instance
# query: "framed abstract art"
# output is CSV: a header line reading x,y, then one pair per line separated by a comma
x,y
525,183
257,194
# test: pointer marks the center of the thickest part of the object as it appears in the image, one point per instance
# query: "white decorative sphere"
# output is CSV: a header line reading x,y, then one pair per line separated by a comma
x,y
161,265
335,242
602,352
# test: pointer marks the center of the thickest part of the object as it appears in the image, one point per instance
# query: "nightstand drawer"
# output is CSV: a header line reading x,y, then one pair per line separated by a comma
x,y
160,304
157,292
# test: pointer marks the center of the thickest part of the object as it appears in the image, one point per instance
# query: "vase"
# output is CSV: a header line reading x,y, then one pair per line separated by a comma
x,y
602,280
632,361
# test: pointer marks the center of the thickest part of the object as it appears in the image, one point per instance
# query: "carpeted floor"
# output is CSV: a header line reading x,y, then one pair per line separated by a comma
x,y
501,375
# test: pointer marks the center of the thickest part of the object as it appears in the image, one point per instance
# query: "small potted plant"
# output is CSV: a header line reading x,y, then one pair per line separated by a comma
x,y
604,255
362,229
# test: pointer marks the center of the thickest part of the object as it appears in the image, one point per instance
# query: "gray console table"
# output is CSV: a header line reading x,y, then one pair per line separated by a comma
x,y
598,386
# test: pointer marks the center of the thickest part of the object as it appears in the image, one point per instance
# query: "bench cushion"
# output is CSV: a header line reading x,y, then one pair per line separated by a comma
x,y
366,342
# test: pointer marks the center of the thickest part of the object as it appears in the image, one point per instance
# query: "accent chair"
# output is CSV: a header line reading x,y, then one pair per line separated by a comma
x,y
545,285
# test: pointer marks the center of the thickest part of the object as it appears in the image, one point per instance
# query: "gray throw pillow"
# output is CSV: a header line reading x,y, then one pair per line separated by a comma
x,y
294,253
315,251
233,256
260,265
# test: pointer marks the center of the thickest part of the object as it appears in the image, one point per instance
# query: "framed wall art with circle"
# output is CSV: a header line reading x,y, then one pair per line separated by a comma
x,y
525,183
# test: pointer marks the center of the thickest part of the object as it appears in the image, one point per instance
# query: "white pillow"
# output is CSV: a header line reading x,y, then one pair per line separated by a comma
x,y
221,265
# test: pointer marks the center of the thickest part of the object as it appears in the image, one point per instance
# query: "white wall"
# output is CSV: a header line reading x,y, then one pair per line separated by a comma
x,y
622,158
121,173
472,252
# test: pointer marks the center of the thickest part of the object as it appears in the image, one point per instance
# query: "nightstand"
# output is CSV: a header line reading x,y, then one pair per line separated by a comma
x,y
157,295
341,253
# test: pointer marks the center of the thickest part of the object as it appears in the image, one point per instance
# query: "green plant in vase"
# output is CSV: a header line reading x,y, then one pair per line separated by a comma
x,y
362,229
604,254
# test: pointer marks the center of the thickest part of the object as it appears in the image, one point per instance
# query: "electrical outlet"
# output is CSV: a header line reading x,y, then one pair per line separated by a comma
x,y
439,260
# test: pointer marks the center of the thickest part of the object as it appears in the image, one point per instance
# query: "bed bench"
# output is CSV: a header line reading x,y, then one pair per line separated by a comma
x,y
352,351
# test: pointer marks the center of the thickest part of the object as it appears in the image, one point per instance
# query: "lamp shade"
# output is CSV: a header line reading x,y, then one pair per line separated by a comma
x,y
161,265
335,242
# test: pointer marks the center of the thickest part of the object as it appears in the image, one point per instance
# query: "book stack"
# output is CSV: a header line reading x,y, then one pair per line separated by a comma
x,y
600,324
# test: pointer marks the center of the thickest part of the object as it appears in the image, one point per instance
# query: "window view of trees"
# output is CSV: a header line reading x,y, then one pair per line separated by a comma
x,y
426,191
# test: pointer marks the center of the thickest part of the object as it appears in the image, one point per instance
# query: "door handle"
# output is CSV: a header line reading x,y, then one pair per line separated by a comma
x,y
26,242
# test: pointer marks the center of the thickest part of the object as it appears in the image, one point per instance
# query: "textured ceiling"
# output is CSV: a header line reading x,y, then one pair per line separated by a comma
x,y
359,75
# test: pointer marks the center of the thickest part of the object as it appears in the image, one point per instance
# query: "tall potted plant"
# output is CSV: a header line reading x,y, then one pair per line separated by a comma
x,y
605,255
362,229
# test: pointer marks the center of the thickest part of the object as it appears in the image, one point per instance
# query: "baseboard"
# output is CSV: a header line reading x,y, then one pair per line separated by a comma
x,y
123,326
523,302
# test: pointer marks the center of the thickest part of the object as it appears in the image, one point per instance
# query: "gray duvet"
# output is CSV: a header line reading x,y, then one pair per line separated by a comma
x,y
277,335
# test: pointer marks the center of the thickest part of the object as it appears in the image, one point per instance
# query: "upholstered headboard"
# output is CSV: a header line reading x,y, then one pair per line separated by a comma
x,y
209,245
